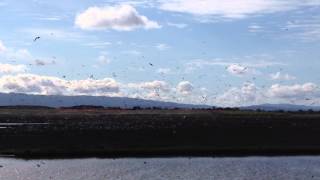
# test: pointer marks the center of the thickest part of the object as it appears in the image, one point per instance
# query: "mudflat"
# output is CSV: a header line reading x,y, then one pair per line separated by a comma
x,y
116,132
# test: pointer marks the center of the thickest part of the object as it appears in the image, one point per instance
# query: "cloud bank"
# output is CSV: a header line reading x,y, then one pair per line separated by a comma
x,y
11,69
48,85
233,9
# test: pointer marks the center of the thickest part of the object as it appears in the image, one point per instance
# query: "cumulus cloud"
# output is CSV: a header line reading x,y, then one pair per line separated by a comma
x,y
48,85
2,47
233,9
250,94
10,69
185,87
280,76
152,85
155,90
120,18
293,91
246,95
237,69
96,87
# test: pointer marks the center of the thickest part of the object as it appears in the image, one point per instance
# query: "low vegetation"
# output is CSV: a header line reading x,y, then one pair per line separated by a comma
x,y
87,130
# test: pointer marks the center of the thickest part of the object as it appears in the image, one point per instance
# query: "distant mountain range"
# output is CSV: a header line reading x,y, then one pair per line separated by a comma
x,y
285,107
15,99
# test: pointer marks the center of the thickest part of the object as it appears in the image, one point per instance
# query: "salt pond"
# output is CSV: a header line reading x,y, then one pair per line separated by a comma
x,y
297,167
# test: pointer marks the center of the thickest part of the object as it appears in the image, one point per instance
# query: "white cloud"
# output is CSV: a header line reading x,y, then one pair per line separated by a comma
x,y
255,28
185,87
162,46
200,63
305,28
152,85
97,87
248,94
293,91
234,9
155,90
2,47
164,71
20,54
120,18
184,92
48,85
11,69
177,25
98,45
54,18
280,76
250,62
236,69
102,59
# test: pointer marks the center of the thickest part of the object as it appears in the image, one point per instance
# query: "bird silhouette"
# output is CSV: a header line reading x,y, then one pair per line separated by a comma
x,y
37,38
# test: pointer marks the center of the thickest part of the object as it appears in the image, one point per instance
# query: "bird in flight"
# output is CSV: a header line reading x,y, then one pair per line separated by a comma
x,y
150,64
37,38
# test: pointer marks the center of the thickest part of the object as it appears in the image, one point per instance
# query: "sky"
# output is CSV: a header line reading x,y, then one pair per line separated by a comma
x,y
221,53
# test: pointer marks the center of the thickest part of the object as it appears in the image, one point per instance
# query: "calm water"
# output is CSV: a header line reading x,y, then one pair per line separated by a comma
x,y
163,168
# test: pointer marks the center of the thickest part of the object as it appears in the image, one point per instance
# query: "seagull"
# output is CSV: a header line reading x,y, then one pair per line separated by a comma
x,y
35,39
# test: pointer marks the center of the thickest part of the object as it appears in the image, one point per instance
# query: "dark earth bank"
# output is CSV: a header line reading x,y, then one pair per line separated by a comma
x,y
32,132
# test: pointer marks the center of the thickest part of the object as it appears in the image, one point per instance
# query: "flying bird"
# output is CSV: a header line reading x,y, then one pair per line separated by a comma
x,y
150,64
37,38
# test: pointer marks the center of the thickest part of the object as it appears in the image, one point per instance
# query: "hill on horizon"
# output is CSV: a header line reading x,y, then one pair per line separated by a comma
x,y
17,99
284,107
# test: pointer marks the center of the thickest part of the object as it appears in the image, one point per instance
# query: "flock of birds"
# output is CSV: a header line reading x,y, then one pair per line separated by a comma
x,y
203,97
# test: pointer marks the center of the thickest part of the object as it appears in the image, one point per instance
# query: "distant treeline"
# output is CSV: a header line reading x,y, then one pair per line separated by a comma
x,y
154,108
25,107
128,108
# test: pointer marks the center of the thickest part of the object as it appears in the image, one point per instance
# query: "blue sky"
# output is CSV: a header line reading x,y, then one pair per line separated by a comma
x,y
225,53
